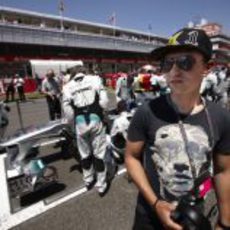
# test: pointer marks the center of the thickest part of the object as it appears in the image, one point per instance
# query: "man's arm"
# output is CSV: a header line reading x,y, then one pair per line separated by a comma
x,y
67,106
45,91
222,187
43,87
136,171
103,94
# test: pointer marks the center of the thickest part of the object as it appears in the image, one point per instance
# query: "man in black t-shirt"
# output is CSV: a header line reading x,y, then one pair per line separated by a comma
x,y
179,142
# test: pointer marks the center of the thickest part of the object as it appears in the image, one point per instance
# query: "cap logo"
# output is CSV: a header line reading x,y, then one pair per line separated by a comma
x,y
186,39
173,40
192,38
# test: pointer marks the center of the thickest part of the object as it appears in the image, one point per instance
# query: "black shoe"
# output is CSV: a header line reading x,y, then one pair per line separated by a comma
x,y
102,194
90,185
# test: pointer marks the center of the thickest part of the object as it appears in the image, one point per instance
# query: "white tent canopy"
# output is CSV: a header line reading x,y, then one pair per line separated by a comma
x,y
40,67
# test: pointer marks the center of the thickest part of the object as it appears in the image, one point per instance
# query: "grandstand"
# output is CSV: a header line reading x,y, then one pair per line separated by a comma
x,y
29,35
220,40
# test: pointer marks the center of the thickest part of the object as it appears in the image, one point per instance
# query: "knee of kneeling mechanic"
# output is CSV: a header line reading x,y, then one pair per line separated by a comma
x,y
99,165
86,162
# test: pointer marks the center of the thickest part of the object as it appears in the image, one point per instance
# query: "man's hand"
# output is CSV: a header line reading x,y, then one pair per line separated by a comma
x,y
163,210
220,226
51,95
222,187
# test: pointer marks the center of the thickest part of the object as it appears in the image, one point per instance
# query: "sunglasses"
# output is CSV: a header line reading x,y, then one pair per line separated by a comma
x,y
185,62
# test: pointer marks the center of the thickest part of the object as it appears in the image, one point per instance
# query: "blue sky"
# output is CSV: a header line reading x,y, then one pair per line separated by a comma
x,y
164,16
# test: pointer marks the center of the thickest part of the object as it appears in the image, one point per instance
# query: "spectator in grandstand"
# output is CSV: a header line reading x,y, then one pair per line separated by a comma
x,y
51,87
10,90
178,144
84,99
19,85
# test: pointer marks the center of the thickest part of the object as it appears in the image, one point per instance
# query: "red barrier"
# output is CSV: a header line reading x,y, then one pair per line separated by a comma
x,y
30,85
111,79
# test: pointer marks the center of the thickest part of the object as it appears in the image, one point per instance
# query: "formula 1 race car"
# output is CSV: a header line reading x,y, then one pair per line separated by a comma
x,y
27,172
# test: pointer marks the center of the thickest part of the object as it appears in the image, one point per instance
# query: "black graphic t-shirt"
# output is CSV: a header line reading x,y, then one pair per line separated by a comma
x,y
165,155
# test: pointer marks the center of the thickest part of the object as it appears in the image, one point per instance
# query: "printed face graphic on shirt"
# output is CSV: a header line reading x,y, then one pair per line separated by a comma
x,y
172,161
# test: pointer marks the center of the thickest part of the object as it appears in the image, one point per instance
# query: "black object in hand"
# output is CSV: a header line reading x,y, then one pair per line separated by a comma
x,y
190,217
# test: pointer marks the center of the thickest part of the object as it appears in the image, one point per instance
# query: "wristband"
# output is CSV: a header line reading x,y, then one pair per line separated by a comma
x,y
224,227
155,204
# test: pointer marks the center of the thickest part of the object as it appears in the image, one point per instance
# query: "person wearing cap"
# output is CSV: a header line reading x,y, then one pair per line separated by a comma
x,y
51,88
84,99
178,145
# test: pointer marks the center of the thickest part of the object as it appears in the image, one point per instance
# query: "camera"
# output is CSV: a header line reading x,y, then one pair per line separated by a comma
x,y
190,217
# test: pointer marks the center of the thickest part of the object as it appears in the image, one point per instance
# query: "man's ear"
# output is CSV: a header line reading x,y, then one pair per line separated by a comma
x,y
205,70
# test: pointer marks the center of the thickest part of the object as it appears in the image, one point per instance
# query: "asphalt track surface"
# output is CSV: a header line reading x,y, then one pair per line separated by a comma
x,y
87,211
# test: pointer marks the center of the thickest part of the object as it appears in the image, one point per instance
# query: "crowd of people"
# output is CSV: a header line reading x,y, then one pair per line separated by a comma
x,y
149,82
11,86
216,85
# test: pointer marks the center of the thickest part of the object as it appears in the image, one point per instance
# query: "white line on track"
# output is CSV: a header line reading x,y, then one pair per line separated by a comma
x,y
41,207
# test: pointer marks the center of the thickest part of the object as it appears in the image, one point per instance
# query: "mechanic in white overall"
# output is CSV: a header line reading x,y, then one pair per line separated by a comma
x,y
84,98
